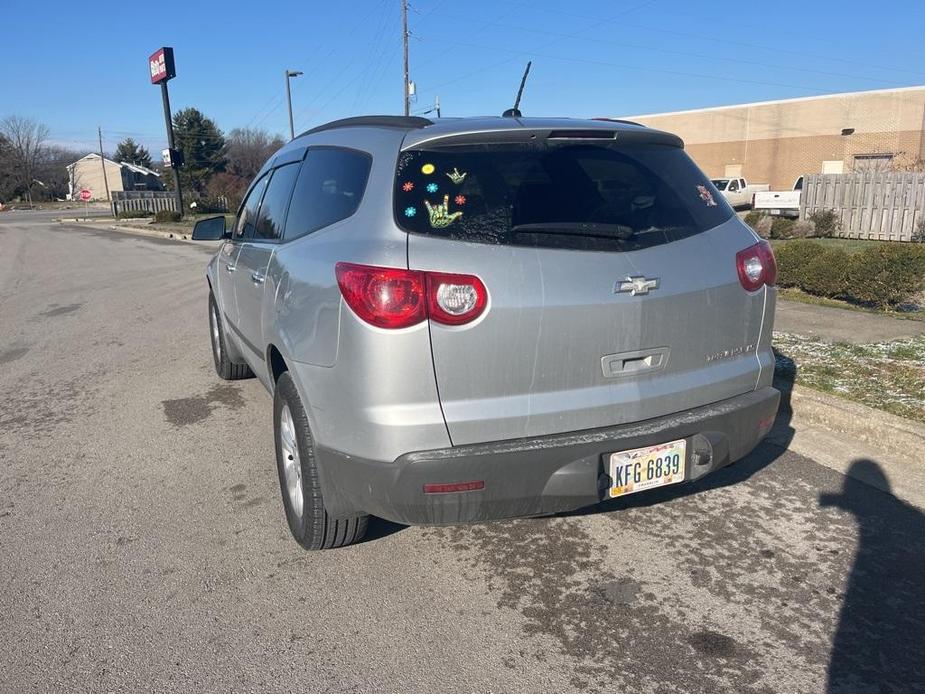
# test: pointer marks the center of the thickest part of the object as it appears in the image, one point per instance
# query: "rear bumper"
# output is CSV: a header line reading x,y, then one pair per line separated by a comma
x,y
547,474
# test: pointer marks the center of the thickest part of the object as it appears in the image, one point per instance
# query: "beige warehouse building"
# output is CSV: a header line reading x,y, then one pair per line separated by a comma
x,y
774,142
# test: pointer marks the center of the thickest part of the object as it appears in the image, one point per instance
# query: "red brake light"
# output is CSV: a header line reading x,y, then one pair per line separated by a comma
x,y
756,266
397,298
383,296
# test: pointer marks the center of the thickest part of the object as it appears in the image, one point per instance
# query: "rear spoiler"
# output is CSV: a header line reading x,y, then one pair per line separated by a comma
x,y
589,135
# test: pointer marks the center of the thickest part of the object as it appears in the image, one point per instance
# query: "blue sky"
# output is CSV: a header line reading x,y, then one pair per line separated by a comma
x,y
618,57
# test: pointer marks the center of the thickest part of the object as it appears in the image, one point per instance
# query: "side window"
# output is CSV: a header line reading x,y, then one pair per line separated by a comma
x,y
273,208
734,187
329,189
247,217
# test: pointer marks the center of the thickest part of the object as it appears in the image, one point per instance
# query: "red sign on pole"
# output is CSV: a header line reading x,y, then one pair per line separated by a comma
x,y
85,194
161,65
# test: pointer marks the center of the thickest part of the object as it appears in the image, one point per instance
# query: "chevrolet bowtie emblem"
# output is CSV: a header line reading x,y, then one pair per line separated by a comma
x,y
635,285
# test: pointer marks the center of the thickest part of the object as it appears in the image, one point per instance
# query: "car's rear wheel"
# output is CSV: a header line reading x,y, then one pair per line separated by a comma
x,y
308,519
224,367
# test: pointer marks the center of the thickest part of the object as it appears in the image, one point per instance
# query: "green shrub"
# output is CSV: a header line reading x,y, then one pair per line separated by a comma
x,y
134,214
803,229
753,217
826,273
782,228
886,274
792,259
209,205
826,222
167,216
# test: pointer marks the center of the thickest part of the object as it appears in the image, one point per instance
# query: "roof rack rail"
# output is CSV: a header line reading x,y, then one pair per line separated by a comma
x,y
406,122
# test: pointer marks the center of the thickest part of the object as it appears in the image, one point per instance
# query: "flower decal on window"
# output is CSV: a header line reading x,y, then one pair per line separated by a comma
x,y
410,211
432,187
407,186
460,199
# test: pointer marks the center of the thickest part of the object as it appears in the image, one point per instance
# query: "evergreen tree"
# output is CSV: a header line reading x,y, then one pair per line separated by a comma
x,y
131,152
202,145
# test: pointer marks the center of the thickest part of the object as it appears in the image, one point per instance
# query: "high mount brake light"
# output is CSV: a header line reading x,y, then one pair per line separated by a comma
x,y
756,266
396,298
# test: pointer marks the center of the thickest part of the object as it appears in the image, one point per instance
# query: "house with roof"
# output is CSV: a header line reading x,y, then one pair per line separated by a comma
x,y
119,176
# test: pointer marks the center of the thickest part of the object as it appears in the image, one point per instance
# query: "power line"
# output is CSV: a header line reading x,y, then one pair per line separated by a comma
x,y
738,60
626,66
735,42
377,50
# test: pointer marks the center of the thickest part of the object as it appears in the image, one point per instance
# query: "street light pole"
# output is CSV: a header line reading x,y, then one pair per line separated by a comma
x,y
289,75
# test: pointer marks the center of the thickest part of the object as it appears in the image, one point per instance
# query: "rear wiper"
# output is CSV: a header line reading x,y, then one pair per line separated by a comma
x,y
612,232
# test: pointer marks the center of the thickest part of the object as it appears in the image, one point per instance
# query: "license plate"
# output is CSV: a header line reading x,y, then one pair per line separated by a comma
x,y
647,468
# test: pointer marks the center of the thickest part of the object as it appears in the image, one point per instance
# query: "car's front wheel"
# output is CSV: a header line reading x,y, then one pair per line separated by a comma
x,y
224,367
308,519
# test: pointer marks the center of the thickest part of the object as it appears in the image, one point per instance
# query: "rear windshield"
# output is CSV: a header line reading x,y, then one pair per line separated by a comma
x,y
599,196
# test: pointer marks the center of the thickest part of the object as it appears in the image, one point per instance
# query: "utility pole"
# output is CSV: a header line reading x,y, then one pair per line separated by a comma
x,y
404,40
99,131
290,74
437,105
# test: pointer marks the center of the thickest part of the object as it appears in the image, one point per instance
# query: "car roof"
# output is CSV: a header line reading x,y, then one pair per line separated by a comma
x,y
417,130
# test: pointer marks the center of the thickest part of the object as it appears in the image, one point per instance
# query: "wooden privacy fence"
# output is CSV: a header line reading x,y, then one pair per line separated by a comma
x,y
141,200
885,206
154,201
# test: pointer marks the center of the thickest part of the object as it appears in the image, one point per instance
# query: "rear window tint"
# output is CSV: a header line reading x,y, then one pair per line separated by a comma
x,y
582,196
329,188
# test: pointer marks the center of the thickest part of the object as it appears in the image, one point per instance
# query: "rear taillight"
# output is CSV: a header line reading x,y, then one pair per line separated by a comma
x,y
386,297
396,298
454,299
756,266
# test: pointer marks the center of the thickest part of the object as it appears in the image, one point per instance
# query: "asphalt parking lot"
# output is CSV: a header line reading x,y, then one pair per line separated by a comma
x,y
144,546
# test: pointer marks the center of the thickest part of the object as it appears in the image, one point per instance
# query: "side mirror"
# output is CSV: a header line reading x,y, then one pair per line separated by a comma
x,y
211,229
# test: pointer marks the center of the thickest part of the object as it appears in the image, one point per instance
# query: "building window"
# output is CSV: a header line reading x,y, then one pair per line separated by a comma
x,y
873,162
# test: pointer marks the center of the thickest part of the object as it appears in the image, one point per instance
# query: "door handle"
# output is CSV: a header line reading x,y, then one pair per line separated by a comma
x,y
258,277
229,267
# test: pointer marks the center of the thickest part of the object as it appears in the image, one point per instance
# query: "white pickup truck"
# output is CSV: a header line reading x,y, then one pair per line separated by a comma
x,y
782,203
737,191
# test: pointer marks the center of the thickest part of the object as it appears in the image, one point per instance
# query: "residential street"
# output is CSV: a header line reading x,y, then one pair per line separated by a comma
x,y
144,546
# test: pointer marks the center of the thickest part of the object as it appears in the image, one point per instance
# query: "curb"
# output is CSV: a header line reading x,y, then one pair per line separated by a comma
x,y
157,233
872,426
835,433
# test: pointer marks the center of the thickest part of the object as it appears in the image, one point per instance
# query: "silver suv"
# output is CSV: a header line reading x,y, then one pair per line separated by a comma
x,y
471,319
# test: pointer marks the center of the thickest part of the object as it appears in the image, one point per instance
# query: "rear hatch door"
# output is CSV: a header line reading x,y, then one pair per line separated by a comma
x,y
612,282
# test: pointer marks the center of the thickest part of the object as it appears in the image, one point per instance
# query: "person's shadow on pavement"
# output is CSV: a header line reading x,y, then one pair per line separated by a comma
x,y
879,645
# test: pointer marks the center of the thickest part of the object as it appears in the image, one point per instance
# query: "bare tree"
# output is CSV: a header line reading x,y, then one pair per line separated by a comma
x,y
25,138
246,150
53,170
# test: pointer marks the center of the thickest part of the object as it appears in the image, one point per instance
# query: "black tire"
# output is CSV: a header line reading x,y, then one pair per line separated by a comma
x,y
224,367
311,526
